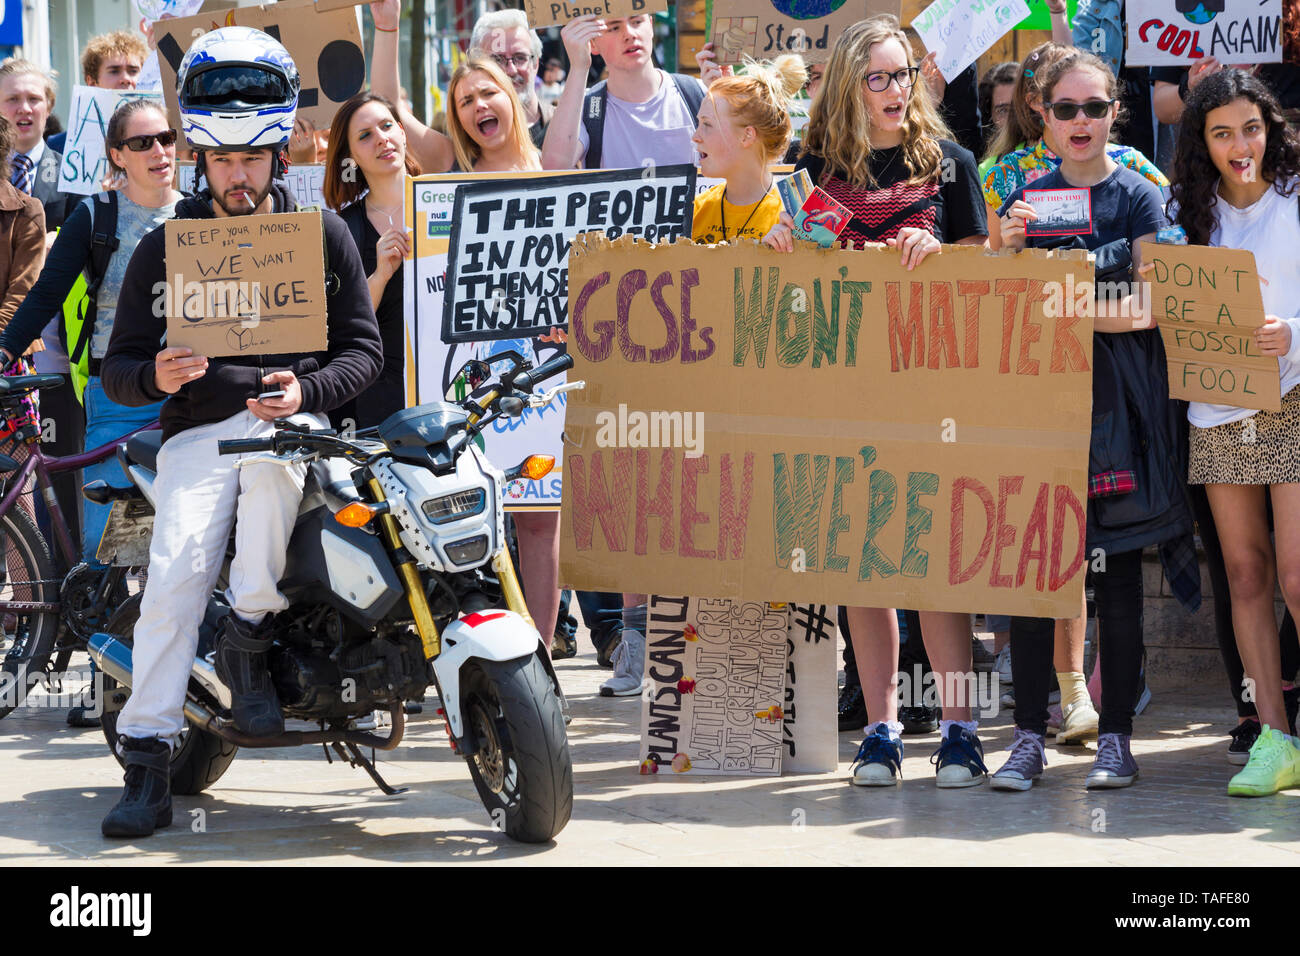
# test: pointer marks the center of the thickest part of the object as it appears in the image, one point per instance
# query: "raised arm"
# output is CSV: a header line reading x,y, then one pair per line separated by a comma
x,y
563,147
431,149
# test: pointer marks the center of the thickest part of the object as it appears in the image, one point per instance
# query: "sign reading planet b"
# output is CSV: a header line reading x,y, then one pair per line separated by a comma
x,y
807,9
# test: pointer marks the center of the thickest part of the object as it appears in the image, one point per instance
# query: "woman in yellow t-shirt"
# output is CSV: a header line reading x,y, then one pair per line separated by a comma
x,y
744,127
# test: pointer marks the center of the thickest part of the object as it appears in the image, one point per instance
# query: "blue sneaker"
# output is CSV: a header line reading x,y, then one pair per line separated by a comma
x,y
959,759
879,762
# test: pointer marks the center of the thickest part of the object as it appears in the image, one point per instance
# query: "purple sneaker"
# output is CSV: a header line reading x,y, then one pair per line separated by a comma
x,y
1114,766
1024,766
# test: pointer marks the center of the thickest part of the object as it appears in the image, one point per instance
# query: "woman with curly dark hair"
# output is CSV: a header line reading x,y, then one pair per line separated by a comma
x,y
1236,171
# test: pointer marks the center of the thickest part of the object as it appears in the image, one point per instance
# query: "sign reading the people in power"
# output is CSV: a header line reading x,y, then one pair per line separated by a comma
x,y
508,264
827,426
1180,32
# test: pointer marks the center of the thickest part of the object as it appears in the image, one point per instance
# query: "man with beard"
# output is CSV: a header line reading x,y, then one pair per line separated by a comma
x,y
238,91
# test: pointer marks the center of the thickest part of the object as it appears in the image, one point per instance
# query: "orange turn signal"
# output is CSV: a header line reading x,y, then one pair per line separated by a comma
x,y
355,515
537,466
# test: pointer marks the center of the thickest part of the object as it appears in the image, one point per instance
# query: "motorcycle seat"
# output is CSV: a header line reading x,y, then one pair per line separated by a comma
x,y
143,448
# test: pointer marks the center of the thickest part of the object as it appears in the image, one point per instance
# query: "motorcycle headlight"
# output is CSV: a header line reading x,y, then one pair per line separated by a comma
x,y
469,551
462,504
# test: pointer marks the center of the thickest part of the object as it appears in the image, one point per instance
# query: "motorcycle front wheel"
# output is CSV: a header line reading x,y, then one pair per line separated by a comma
x,y
199,758
523,771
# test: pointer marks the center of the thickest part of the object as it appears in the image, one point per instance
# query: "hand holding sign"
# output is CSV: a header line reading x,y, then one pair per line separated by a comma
x,y
177,366
1274,336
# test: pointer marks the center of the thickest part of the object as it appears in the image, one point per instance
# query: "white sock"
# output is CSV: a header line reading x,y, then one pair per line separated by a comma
x,y
971,725
894,727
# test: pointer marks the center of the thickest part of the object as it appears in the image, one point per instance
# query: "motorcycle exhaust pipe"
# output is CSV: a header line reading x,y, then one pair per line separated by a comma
x,y
113,657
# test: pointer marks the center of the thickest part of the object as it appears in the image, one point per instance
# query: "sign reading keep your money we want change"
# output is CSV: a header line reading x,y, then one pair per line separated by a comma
x,y
862,434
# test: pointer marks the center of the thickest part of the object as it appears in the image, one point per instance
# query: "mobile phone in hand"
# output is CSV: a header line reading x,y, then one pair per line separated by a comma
x,y
277,393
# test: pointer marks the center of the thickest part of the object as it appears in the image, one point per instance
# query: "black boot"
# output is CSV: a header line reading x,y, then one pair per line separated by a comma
x,y
240,663
146,803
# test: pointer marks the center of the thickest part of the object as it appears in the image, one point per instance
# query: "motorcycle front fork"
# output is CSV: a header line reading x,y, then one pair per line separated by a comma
x,y
415,596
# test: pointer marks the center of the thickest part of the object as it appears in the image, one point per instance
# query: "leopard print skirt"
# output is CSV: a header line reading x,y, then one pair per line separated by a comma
x,y
1263,449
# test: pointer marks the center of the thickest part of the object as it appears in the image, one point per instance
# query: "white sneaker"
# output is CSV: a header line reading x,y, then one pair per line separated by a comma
x,y
629,666
1002,665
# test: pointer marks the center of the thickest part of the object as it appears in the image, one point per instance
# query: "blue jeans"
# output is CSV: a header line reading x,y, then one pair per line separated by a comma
x,y
106,421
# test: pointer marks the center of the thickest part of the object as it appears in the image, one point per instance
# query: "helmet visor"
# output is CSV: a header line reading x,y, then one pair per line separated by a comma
x,y
235,86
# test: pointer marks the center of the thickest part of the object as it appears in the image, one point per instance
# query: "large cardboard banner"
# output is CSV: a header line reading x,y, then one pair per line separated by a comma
x,y
507,265
1178,32
84,161
959,31
764,29
325,46
1208,304
828,426
556,13
716,672
246,285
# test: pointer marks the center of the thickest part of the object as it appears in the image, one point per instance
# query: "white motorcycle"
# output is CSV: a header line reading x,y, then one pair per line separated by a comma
x,y
398,577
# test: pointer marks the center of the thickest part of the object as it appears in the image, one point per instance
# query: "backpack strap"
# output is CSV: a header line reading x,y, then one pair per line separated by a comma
x,y
594,102
692,92
103,243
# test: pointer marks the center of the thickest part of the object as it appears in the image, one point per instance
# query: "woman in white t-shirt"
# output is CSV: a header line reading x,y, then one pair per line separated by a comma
x,y
1236,175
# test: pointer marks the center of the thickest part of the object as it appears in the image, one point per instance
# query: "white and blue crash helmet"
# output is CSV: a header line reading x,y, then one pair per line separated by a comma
x,y
237,87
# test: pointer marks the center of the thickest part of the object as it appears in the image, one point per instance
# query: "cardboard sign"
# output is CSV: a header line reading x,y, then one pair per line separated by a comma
x,y
764,29
507,266
246,284
431,362
1178,33
1061,212
1208,304
556,13
307,183
811,724
959,31
325,46
827,425
716,672
84,161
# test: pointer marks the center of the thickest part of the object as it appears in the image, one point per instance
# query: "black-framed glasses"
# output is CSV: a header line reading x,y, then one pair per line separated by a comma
x,y
879,81
520,60
144,142
1093,109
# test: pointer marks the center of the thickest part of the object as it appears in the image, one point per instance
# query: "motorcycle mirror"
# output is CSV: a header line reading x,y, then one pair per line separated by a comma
x,y
471,375
512,407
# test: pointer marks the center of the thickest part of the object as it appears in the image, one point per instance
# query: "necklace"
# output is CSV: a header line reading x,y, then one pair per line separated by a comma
x,y
387,215
722,213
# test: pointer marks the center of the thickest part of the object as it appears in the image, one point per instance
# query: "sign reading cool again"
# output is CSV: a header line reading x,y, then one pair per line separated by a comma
x,y
861,434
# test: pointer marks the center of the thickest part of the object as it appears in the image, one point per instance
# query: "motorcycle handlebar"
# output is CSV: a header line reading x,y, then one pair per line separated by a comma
x,y
525,381
238,446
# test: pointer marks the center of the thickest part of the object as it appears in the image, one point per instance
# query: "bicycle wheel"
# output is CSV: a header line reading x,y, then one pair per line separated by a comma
x,y
26,637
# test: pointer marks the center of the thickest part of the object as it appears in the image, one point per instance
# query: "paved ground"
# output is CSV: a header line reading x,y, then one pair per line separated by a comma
x,y
290,807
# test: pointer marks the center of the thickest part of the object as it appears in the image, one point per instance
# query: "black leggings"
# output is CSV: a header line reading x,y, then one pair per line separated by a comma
x,y
1119,617
1223,629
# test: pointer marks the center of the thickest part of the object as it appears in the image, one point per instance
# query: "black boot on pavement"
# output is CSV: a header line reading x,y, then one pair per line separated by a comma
x,y
146,803
241,665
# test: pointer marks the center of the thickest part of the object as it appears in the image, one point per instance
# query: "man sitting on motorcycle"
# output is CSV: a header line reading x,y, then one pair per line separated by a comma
x,y
238,91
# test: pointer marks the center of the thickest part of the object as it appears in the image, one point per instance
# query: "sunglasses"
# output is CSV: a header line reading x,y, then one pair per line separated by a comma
x,y
144,142
879,82
1093,109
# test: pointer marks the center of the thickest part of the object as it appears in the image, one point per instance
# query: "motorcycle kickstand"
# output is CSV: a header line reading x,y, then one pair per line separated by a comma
x,y
357,759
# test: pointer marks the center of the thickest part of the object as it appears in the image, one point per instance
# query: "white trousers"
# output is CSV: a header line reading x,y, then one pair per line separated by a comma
x,y
199,494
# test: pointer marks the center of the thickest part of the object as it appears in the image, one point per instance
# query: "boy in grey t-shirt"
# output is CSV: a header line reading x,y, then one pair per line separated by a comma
x,y
646,116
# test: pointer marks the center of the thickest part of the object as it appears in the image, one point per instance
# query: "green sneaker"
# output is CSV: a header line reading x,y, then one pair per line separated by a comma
x,y
1274,765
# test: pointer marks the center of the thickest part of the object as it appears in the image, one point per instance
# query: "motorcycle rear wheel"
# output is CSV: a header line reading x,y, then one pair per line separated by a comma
x,y
199,757
522,771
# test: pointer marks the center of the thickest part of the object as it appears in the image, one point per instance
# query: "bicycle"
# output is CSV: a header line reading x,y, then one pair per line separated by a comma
x,y
43,616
